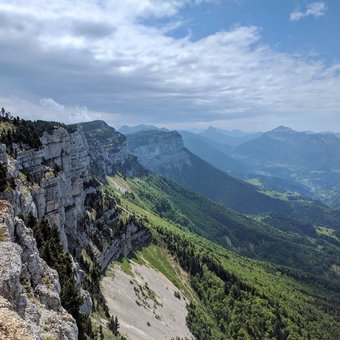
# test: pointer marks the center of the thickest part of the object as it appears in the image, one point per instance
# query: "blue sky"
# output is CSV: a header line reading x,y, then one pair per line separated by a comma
x,y
246,64
306,35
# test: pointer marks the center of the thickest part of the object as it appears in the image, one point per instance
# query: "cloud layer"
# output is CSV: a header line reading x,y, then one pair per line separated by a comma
x,y
87,59
315,9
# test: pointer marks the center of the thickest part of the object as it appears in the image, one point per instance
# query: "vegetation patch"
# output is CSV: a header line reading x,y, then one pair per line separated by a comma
x,y
124,264
3,232
330,232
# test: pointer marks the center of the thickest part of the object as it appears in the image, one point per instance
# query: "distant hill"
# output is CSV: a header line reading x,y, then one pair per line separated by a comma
x,y
286,147
209,152
232,138
311,159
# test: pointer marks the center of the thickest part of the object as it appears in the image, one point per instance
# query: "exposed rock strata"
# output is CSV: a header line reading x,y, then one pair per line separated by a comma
x,y
55,183
159,151
29,289
109,151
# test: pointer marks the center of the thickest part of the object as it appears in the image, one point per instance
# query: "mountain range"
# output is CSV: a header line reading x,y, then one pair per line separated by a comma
x,y
110,236
227,137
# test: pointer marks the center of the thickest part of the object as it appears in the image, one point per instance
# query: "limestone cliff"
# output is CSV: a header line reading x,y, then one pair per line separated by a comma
x,y
160,151
54,183
108,151
30,306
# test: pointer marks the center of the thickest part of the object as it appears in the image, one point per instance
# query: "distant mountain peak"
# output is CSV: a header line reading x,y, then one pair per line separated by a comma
x,y
281,132
282,128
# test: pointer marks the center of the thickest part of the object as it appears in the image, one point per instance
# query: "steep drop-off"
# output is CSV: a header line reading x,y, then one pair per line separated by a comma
x,y
53,183
164,154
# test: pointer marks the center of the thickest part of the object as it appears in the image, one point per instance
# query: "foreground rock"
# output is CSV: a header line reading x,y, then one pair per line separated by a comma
x,y
54,183
30,305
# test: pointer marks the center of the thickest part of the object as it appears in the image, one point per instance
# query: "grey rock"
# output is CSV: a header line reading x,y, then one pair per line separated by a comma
x,y
87,305
61,173
159,151
28,286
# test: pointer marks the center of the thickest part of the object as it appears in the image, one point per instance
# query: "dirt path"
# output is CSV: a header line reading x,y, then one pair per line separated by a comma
x,y
145,304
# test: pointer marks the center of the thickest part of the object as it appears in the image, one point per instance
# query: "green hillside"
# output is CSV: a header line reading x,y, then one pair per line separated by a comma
x,y
236,297
314,254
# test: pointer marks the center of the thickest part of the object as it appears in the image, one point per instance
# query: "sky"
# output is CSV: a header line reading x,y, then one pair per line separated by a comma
x,y
246,64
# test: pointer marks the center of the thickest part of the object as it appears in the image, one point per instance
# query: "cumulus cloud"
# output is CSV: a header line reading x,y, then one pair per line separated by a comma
x,y
107,56
315,9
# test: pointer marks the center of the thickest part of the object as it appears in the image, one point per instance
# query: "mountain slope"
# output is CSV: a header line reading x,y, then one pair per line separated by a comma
x,y
164,154
312,159
284,146
193,212
206,151
231,293
67,218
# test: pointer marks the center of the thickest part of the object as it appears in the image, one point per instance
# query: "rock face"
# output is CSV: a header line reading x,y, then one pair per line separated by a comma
x,y
55,183
29,289
108,151
159,151
60,168
122,246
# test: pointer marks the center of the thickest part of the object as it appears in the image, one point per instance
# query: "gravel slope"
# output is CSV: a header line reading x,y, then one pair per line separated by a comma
x,y
145,304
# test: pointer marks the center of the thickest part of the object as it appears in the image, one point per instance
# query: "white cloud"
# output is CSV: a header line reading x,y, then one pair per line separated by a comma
x,y
107,57
50,103
315,9
48,109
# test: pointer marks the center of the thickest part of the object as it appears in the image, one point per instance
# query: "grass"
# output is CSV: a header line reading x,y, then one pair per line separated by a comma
x,y
119,184
159,259
255,181
3,232
125,265
5,126
322,230
276,194
99,318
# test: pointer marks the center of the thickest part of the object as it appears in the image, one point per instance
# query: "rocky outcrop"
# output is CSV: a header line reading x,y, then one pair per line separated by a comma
x,y
108,151
30,305
133,237
54,183
159,151
60,169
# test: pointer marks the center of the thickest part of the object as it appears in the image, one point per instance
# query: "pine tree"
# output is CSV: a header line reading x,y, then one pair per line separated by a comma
x,y
114,325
